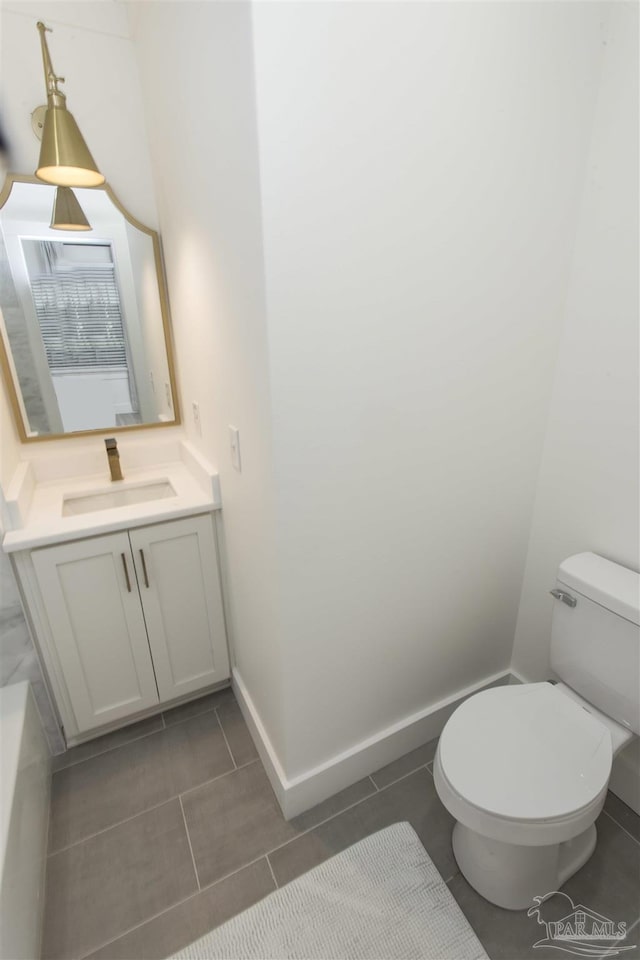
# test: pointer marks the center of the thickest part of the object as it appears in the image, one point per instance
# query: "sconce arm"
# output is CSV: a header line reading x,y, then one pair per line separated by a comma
x,y
55,97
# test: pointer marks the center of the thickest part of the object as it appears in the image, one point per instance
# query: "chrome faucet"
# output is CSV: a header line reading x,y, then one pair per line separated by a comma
x,y
114,458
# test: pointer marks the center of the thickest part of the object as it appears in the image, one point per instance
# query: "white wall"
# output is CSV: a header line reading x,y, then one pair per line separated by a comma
x,y
196,70
588,488
421,167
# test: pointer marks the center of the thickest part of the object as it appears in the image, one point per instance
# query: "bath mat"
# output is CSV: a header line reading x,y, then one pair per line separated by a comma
x,y
381,898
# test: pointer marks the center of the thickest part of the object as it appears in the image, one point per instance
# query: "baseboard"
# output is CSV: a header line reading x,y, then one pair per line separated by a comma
x,y
516,677
300,793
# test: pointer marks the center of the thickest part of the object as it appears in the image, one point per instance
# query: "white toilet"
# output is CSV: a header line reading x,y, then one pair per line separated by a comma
x,y
524,769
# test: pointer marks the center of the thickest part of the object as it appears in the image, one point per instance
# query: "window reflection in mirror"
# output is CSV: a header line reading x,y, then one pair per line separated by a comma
x,y
84,317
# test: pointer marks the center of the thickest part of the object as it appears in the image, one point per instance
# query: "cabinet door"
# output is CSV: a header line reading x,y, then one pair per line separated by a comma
x,y
177,569
97,626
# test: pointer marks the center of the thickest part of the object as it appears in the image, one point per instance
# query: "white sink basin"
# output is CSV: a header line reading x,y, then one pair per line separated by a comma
x,y
116,496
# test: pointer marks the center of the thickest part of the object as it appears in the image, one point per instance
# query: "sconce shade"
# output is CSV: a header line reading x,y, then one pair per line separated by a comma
x,y
65,159
67,212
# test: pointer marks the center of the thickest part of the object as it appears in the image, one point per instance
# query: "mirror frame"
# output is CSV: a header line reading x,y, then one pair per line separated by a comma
x,y
6,365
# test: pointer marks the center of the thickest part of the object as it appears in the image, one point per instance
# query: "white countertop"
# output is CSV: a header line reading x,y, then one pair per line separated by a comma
x,y
38,507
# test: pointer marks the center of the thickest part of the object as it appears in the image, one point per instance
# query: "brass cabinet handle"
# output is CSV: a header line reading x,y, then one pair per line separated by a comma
x,y
126,572
144,569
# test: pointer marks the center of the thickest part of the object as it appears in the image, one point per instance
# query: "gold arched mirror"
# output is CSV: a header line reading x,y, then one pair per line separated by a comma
x,y
85,342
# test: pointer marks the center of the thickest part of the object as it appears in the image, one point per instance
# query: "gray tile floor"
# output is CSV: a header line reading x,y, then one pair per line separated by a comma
x,y
163,830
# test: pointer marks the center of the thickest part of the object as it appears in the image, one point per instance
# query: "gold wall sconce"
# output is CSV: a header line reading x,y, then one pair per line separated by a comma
x,y
65,159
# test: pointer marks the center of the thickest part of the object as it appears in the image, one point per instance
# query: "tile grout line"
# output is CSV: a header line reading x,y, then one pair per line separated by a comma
x,y
137,926
193,716
198,786
268,853
623,828
338,813
102,753
143,736
263,856
227,773
244,866
271,870
178,903
423,766
186,828
356,803
166,726
220,724
251,863
175,796
376,789
98,833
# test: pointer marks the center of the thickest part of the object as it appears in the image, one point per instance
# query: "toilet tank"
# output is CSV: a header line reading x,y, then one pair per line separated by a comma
x,y
595,645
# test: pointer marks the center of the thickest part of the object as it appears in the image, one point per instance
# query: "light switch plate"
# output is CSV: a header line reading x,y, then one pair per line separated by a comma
x,y
234,441
195,407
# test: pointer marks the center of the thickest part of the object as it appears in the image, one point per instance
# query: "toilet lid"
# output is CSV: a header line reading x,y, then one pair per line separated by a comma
x,y
525,752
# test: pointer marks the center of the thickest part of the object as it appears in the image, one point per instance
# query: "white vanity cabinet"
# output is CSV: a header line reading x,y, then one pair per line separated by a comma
x,y
134,618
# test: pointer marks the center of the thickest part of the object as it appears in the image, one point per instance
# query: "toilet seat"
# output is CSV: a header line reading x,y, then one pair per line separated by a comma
x,y
524,763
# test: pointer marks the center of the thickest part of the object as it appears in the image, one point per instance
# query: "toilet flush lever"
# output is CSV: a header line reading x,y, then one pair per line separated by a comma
x,y
565,597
